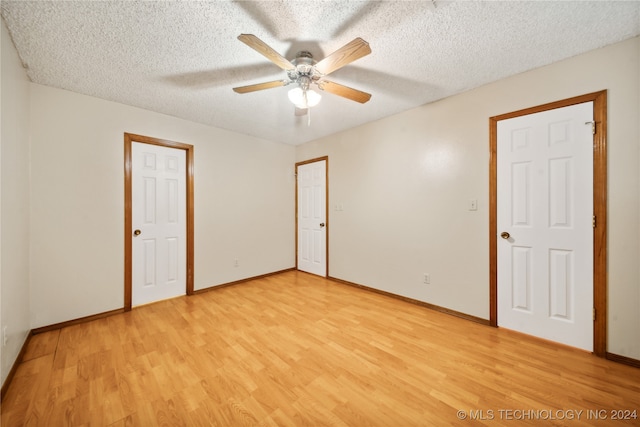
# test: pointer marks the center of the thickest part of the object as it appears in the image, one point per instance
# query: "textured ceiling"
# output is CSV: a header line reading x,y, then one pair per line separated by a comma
x,y
182,58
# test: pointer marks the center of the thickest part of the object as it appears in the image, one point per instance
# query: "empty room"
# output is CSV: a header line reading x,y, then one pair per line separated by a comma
x,y
314,213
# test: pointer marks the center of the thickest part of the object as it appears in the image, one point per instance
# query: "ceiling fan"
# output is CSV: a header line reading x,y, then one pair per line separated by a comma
x,y
305,72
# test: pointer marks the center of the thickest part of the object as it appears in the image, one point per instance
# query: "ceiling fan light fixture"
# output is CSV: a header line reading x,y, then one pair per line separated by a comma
x,y
304,98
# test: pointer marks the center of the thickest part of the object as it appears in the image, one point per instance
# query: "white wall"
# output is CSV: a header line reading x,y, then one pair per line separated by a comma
x,y
14,203
405,181
244,202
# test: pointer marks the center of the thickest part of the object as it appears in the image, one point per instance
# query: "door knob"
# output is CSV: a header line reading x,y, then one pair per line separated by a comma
x,y
137,232
321,224
505,235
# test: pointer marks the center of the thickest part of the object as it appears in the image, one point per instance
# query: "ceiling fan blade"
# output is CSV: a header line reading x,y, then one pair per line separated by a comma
x,y
355,49
344,91
266,50
259,86
301,111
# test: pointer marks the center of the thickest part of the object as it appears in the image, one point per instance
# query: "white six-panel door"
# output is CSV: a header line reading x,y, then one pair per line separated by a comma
x,y
159,223
545,231
312,230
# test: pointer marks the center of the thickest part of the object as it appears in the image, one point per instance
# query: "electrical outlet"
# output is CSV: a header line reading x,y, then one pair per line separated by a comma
x,y
427,278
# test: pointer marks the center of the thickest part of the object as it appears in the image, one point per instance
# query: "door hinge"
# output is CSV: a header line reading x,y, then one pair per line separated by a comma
x,y
593,126
593,221
594,313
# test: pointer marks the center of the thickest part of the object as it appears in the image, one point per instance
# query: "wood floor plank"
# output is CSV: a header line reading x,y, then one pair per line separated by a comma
x,y
298,350
41,345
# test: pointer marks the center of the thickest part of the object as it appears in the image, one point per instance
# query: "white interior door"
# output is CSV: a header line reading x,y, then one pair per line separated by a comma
x,y
544,220
159,222
312,212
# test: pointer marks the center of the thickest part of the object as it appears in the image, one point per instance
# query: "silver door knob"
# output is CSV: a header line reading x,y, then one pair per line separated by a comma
x,y
505,235
321,224
137,232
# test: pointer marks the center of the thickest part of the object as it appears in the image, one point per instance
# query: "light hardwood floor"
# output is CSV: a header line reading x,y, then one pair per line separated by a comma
x,y
298,350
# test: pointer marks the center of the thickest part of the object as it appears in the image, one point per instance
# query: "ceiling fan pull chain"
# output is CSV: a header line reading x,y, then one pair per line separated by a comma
x,y
306,104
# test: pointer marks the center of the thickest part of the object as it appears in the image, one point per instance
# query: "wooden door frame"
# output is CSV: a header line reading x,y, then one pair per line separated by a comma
x,y
326,207
599,100
128,203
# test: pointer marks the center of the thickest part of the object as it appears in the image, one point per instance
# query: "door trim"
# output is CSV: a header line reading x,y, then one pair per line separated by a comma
x,y
128,202
599,100
326,206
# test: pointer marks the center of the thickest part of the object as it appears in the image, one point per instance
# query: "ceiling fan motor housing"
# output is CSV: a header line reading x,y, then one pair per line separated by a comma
x,y
304,72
